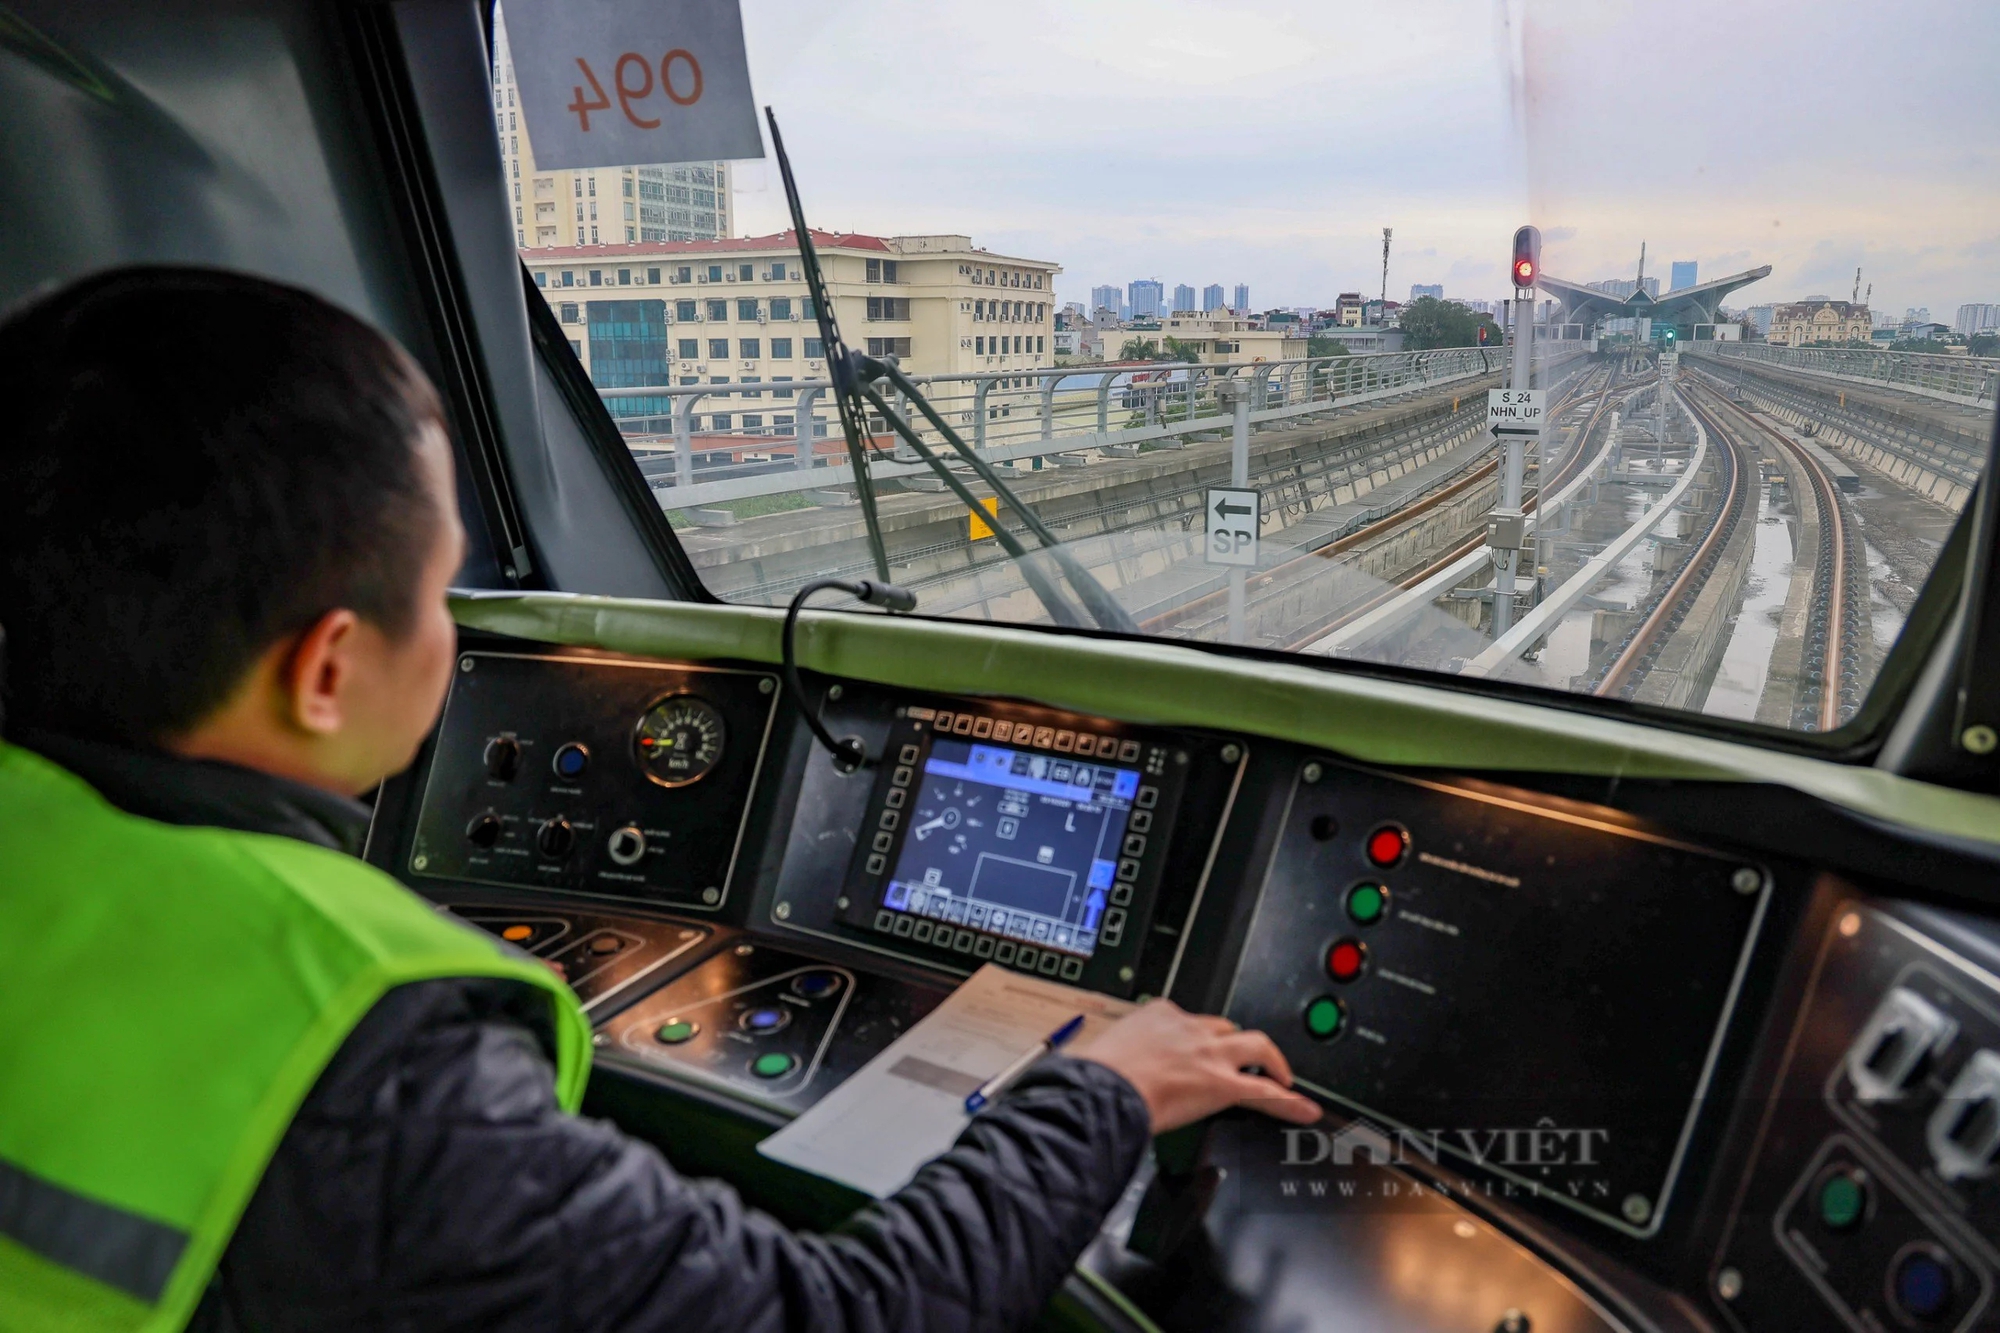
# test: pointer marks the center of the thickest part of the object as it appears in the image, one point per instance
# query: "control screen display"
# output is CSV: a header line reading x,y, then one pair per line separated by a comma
x,y
1018,844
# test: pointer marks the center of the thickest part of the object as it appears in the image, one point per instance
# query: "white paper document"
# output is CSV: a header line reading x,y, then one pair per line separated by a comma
x,y
907,1105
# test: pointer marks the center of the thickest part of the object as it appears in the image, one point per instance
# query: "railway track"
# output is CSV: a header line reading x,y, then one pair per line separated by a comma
x,y
1600,386
1624,671
1829,678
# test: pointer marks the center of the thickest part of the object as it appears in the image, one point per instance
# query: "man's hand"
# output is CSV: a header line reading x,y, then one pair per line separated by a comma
x,y
1189,1066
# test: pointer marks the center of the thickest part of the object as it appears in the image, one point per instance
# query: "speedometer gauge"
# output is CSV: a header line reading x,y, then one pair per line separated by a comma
x,y
680,739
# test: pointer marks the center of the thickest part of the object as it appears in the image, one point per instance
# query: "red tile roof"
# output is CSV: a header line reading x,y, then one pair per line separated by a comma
x,y
784,240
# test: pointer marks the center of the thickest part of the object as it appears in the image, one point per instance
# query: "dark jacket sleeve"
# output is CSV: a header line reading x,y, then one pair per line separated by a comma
x,y
431,1182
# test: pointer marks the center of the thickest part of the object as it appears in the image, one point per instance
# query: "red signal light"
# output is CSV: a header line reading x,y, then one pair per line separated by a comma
x,y
1527,256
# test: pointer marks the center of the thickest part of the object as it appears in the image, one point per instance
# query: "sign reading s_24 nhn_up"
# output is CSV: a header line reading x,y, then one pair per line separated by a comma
x,y
611,83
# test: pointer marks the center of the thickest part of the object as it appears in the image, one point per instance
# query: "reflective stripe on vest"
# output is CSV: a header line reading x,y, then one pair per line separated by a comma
x,y
171,996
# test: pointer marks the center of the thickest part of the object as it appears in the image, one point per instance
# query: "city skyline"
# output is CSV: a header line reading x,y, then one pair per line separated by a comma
x,y
1731,179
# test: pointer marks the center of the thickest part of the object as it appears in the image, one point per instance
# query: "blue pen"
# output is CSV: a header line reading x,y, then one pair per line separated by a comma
x,y
991,1090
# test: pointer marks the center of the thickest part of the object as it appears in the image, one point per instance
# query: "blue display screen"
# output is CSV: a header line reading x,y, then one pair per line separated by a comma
x,y
1012,842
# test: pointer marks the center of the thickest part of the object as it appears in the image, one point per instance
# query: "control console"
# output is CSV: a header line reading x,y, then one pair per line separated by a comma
x,y
593,774
1874,1196
985,831
1535,988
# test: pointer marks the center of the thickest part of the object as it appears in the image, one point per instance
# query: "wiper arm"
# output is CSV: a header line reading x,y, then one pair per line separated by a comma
x,y
845,396
853,376
1059,607
1103,607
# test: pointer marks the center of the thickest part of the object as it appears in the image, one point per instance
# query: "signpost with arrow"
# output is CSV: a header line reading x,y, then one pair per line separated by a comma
x,y
1233,522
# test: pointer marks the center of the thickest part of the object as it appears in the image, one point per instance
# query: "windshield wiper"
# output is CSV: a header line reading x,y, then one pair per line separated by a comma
x,y
1104,609
844,395
854,377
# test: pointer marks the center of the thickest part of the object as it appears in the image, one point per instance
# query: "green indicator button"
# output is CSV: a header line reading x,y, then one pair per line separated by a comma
x,y
1842,1200
1324,1017
676,1032
1366,903
774,1064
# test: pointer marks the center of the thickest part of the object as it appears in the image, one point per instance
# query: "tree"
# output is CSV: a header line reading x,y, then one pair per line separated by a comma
x,y
1176,349
1984,344
1917,345
1325,344
1428,322
1139,349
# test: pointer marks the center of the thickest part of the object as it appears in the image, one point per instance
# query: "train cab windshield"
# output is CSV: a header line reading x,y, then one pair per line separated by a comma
x,y
1142,667
1683,528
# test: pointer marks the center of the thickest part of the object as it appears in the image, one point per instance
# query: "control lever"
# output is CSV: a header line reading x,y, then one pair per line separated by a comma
x,y
848,752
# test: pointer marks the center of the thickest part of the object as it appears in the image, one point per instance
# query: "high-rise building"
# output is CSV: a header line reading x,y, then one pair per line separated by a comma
x,y
635,205
1146,295
1242,301
1434,290
1976,318
1211,297
1107,298
1183,297
1682,274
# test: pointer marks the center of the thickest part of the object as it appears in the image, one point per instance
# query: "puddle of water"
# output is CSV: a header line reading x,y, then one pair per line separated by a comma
x,y
1746,661
1883,615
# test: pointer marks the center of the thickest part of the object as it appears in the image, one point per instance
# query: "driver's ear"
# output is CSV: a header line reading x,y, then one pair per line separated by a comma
x,y
317,672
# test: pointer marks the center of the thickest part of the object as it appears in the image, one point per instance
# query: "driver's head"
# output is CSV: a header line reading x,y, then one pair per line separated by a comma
x,y
227,524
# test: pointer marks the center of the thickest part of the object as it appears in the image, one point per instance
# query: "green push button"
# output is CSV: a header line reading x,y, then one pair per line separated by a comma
x,y
1324,1018
774,1064
1842,1201
1366,903
676,1032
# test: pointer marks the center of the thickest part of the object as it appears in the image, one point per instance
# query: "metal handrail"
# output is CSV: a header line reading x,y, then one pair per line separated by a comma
x,y
1043,411
1971,380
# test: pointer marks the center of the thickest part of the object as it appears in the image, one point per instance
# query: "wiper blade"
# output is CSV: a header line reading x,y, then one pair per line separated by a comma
x,y
845,396
1059,607
1103,607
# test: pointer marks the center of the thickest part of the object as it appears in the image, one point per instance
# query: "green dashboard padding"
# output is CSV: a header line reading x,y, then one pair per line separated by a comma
x,y
1161,683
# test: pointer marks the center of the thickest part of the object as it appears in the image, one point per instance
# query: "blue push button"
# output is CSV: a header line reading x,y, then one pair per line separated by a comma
x,y
815,985
764,1020
1922,1284
571,760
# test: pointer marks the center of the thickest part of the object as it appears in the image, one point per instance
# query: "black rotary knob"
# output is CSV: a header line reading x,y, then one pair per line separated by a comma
x,y
503,758
556,838
484,830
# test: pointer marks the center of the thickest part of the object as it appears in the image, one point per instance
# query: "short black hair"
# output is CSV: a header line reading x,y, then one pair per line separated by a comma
x,y
194,465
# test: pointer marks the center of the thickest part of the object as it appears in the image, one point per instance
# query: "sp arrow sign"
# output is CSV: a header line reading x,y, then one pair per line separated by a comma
x,y
1234,518
1515,411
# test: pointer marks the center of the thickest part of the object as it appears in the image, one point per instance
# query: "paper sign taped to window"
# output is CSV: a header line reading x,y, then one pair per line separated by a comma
x,y
610,83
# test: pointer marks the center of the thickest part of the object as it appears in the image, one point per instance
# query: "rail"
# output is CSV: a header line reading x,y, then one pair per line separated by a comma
x,y
765,437
1974,381
1411,598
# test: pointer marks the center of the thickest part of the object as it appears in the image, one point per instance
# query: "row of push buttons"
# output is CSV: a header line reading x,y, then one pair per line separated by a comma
x,y
1082,743
885,824
760,1021
944,935
1365,904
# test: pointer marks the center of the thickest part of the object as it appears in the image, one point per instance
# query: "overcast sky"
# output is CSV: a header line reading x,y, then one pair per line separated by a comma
x,y
1202,141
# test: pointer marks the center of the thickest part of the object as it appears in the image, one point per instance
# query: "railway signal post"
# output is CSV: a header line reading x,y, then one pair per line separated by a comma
x,y
1519,422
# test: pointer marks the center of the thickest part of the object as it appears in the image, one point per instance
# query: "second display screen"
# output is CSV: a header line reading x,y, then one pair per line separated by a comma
x,y
1011,842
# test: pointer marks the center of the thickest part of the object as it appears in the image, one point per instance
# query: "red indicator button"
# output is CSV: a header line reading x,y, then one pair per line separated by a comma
x,y
1344,960
1387,845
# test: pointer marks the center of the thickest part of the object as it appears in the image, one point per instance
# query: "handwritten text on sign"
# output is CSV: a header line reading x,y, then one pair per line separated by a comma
x,y
607,83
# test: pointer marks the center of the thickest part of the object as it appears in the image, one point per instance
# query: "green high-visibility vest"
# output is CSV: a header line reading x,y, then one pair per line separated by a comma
x,y
167,998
